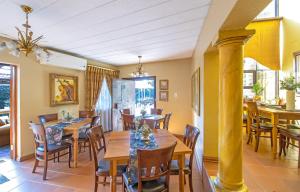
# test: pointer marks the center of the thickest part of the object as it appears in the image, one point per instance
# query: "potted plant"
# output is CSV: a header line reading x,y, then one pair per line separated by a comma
x,y
290,85
257,89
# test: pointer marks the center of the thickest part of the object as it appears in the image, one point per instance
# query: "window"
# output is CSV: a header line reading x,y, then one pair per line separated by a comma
x,y
266,77
5,71
270,11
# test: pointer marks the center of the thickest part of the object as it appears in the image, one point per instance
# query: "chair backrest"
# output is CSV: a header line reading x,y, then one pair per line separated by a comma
x,y
253,112
48,117
154,164
128,122
126,111
40,139
190,139
95,121
97,141
156,111
86,114
166,121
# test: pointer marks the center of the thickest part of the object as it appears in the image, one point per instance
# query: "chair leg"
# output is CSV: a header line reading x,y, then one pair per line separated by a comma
x,y
280,145
271,136
96,184
184,179
45,169
104,180
36,163
299,155
284,143
257,141
54,157
70,156
90,152
58,157
249,137
191,182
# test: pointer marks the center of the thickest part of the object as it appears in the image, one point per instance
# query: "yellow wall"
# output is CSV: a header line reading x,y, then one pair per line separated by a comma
x,y
211,104
178,74
291,43
34,95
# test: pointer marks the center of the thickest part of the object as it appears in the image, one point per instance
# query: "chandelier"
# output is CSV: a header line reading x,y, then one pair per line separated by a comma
x,y
25,42
139,70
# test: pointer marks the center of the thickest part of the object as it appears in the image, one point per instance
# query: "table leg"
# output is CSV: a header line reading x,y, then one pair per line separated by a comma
x,y
274,134
181,163
75,152
113,173
248,125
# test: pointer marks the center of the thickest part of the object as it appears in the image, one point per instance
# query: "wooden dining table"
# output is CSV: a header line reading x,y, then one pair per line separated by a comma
x,y
118,146
275,114
73,129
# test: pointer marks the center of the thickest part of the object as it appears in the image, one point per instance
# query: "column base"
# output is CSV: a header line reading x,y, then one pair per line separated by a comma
x,y
221,188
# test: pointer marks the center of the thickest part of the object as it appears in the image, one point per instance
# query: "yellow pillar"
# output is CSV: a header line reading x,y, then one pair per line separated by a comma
x,y
230,170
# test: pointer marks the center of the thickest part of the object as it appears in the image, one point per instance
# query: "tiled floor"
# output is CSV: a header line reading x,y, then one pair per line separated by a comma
x,y
60,177
264,174
261,173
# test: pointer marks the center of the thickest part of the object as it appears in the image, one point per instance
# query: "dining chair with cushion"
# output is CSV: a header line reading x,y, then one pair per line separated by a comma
x,y
44,150
128,122
125,111
102,167
257,126
86,114
83,140
166,121
189,139
153,170
156,111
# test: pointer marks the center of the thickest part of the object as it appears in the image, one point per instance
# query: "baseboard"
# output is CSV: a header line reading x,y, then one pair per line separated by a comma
x,y
25,157
210,159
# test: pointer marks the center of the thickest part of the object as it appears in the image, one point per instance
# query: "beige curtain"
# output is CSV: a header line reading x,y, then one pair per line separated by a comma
x,y
94,80
263,46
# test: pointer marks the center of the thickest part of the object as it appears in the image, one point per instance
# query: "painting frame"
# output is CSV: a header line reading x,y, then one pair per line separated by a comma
x,y
195,88
164,95
164,84
66,86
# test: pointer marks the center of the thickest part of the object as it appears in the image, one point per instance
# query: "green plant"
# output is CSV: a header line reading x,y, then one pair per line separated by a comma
x,y
289,83
257,89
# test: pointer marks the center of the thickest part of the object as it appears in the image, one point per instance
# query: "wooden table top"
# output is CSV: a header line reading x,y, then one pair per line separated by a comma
x,y
118,144
274,110
152,117
72,126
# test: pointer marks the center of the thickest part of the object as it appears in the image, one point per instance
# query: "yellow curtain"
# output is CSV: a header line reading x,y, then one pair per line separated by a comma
x,y
94,80
263,46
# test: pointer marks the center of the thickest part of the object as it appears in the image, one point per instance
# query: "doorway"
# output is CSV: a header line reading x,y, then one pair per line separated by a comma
x,y
145,94
8,112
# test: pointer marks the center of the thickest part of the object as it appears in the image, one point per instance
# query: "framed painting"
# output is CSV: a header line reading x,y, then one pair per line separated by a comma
x,y
195,83
163,95
249,79
164,84
63,89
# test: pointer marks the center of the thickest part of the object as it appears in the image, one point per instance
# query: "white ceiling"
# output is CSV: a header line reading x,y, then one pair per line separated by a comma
x,y
112,31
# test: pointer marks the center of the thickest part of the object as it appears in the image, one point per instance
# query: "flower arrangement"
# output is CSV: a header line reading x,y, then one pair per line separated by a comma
x,y
289,83
258,89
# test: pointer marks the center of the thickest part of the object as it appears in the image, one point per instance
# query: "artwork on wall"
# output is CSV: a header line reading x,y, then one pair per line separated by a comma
x,y
163,95
63,89
195,83
164,84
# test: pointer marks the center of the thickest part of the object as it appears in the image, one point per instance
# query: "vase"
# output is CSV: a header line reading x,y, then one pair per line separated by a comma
x,y
290,100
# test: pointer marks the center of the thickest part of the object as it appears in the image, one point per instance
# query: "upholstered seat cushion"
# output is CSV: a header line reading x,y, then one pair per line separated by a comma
x,y
263,125
104,167
175,167
291,132
157,185
53,147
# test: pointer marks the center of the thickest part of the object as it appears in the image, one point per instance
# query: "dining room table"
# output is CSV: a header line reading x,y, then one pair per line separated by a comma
x,y
73,126
275,113
118,152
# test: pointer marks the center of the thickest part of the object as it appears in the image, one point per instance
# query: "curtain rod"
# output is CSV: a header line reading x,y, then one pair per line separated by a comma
x,y
102,67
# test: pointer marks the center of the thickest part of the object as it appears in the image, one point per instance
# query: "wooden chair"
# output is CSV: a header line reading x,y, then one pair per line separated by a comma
x,y
83,140
102,167
43,151
256,125
125,111
189,139
128,122
156,111
166,121
153,172
285,134
86,114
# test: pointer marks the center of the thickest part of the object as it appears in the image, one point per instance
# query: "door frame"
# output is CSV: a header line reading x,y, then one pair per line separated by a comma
x,y
143,78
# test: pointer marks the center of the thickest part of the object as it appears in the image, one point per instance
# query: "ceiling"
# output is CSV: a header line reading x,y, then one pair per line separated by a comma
x,y
112,31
